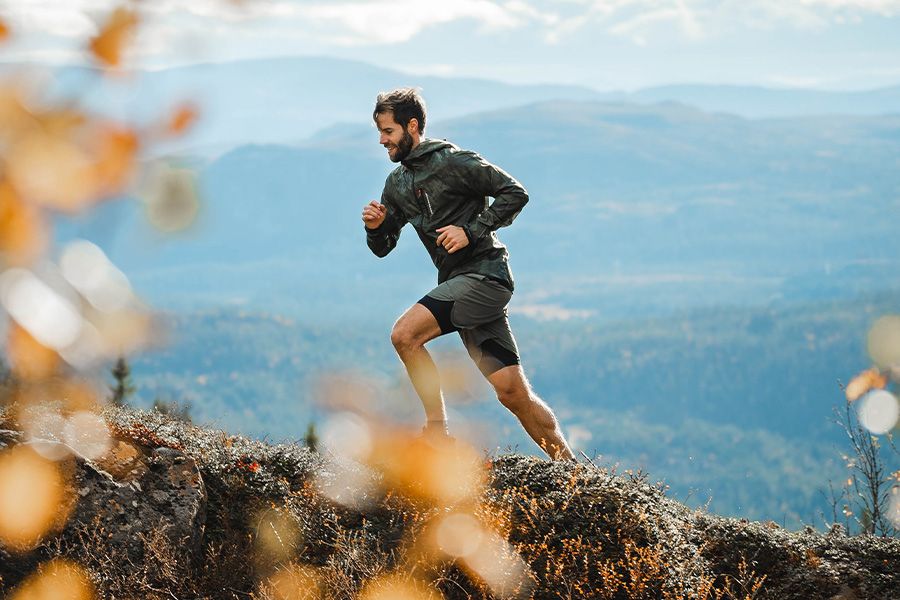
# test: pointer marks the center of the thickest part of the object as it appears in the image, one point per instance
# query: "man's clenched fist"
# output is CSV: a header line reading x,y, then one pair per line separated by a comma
x,y
373,214
452,238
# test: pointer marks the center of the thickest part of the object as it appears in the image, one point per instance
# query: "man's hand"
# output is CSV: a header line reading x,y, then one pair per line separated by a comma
x,y
373,214
452,238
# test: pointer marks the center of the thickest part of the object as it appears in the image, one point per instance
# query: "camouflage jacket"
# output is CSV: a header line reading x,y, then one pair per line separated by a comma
x,y
439,184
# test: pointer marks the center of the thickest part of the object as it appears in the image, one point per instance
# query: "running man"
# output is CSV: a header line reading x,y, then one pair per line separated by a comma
x,y
442,191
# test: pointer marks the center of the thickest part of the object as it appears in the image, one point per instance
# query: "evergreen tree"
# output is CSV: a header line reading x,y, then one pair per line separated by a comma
x,y
6,382
123,388
311,439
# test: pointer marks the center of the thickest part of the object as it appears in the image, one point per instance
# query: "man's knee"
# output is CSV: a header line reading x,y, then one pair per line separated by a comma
x,y
402,336
514,396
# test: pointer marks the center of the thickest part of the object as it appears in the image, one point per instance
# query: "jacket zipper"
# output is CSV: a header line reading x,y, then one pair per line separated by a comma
x,y
418,194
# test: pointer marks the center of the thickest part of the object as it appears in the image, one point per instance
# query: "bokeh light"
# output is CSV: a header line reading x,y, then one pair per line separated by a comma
x,y
440,470
56,580
878,411
29,359
44,427
893,511
87,434
498,565
50,169
277,535
171,198
458,535
46,314
22,230
345,392
350,484
348,435
86,267
397,587
294,582
884,341
32,497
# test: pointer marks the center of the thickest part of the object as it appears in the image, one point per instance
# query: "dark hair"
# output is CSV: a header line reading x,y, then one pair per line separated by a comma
x,y
405,103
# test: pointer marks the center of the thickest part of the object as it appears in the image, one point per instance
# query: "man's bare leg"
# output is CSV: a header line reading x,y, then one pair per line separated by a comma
x,y
411,331
515,393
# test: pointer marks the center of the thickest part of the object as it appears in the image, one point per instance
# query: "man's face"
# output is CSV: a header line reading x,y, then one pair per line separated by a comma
x,y
394,137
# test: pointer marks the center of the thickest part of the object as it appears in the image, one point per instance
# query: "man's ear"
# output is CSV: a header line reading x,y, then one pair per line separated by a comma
x,y
413,126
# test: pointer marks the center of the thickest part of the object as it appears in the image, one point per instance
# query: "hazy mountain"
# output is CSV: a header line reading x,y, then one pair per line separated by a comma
x,y
286,100
759,102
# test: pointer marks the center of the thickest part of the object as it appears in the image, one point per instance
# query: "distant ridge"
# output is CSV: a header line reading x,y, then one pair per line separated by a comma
x,y
761,102
289,99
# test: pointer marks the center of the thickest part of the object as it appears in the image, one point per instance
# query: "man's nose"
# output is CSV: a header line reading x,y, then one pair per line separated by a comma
x,y
382,140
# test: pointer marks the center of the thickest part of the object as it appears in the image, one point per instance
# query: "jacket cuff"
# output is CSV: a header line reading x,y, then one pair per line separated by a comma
x,y
373,231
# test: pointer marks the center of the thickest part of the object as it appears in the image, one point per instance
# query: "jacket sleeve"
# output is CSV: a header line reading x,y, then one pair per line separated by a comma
x,y
481,178
383,239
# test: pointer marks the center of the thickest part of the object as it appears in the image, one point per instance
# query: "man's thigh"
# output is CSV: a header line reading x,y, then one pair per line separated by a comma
x,y
467,301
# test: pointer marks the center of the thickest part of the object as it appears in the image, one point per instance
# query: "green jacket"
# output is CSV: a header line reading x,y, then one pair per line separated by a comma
x,y
439,184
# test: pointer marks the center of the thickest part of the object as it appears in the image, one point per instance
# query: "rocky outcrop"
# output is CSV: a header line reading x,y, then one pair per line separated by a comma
x,y
133,493
187,512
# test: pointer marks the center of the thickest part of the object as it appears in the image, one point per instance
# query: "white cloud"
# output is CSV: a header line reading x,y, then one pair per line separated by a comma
x,y
55,17
641,20
321,25
884,8
396,21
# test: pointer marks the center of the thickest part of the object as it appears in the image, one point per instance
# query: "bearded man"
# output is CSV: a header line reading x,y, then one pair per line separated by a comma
x,y
443,192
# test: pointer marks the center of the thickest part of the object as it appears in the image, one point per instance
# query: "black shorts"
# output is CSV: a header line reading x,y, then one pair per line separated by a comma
x,y
475,306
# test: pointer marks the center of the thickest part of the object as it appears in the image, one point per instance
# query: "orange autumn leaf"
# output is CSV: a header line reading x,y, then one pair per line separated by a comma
x,y
52,171
30,359
62,123
110,43
16,118
182,119
865,381
115,159
22,232
4,31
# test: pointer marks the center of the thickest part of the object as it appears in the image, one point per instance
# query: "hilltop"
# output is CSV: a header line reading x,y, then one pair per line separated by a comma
x,y
178,511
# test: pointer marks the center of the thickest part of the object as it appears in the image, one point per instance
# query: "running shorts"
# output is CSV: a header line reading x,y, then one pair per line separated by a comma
x,y
476,307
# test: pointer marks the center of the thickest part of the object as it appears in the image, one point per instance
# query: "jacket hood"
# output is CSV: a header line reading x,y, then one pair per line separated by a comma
x,y
420,153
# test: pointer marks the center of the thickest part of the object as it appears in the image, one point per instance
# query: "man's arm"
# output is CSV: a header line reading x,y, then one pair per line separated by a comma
x,y
482,178
383,224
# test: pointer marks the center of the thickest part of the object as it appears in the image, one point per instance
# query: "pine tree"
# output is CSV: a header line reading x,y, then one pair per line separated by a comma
x,y
123,388
311,439
6,382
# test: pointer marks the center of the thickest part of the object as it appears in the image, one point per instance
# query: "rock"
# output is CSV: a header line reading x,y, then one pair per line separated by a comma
x,y
162,491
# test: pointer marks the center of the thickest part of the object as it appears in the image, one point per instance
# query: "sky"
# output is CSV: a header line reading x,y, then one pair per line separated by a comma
x,y
604,44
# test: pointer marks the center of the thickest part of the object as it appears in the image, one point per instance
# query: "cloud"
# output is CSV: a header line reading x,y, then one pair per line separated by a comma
x,y
321,25
883,8
397,21
642,21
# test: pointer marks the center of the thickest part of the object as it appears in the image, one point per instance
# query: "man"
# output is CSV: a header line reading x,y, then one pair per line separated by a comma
x,y
442,191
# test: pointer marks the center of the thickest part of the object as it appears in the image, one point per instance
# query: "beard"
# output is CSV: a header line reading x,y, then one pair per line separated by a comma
x,y
403,148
